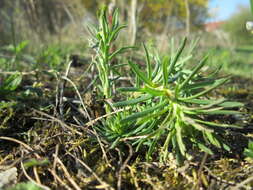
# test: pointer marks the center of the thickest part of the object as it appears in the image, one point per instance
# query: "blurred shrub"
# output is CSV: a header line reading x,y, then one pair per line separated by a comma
x,y
40,22
235,26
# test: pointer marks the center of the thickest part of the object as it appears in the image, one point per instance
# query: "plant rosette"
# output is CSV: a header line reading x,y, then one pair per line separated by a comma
x,y
171,106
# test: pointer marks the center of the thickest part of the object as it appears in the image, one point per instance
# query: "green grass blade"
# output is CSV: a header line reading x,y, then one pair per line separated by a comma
x,y
154,115
250,145
180,139
115,32
175,59
157,66
115,19
196,125
231,104
133,101
149,69
212,139
165,70
200,65
119,51
205,149
218,112
217,124
129,89
210,105
153,91
137,71
198,101
199,85
215,85
144,113
201,101
248,153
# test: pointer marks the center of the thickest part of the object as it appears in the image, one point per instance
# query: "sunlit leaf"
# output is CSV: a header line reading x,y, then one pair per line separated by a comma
x,y
133,101
140,74
144,113
11,83
205,149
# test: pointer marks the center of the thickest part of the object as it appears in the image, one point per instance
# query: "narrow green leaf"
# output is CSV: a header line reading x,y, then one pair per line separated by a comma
x,y
144,113
119,51
149,69
212,139
115,19
193,45
205,149
133,101
200,101
152,147
215,85
138,129
153,91
119,65
175,77
182,61
226,147
210,105
248,153
165,70
196,125
231,104
154,115
250,145
157,67
115,143
115,32
199,85
218,112
129,89
199,66
217,124
180,139
137,71
33,162
175,59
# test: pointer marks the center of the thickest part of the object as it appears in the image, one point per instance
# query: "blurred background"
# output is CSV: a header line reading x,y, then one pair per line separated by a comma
x,y
49,29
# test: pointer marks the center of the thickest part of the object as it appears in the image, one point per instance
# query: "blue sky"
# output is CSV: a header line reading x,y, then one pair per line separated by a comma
x,y
222,9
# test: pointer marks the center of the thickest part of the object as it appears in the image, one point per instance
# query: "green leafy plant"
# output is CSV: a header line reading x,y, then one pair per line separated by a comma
x,y
248,152
10,84
53,56
25,186
12,55
102,41
171,106
169,101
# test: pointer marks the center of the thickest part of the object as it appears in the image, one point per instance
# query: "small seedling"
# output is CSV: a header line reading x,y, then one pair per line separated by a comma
x,y
102,40
248,152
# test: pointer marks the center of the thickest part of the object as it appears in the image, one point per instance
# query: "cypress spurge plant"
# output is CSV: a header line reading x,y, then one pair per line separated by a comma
x,y
102,40
171,105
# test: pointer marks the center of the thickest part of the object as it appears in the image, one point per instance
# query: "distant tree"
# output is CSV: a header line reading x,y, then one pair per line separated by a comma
x,y
235,26
188,12
153,14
